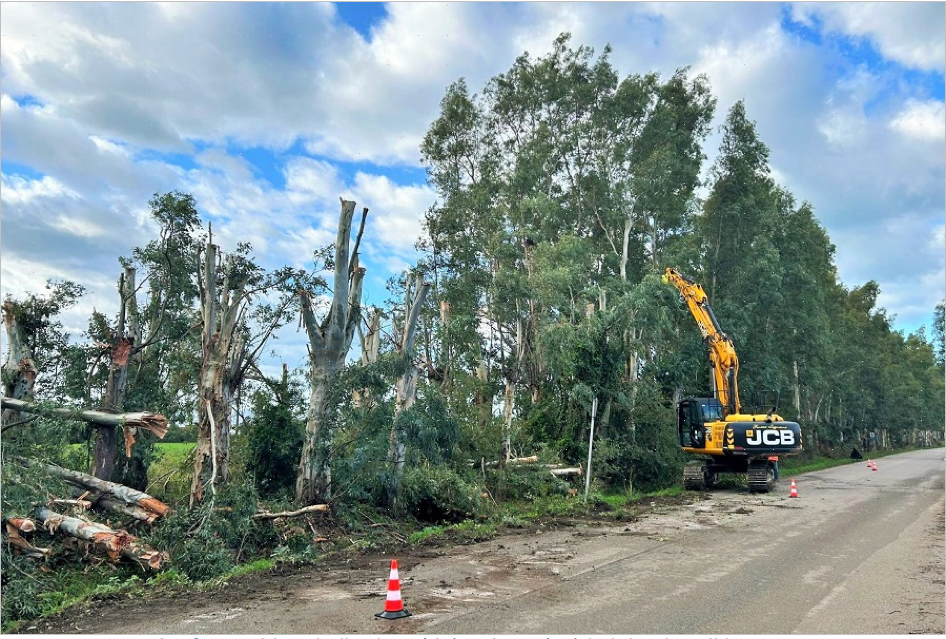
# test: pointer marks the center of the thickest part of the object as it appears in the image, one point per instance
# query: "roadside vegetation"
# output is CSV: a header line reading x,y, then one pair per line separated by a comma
x,y
461,406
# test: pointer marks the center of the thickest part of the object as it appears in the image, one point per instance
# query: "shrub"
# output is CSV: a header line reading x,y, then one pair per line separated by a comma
x,y
437,495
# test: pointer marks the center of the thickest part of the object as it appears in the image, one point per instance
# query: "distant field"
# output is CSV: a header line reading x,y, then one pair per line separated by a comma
x,y
167,474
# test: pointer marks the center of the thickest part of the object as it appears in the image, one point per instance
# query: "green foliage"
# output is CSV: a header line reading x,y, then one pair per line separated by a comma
x,y
437,494
209,539
274,437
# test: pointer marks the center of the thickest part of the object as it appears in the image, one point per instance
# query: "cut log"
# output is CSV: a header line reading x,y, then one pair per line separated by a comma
x,y
118,492
559,472
16,525
317,508
117,544
24,547
515,461
21,524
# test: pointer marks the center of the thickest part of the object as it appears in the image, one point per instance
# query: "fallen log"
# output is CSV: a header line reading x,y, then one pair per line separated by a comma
x,y
115,543
515,461
292,513
129,422
101,501
558,472
117,492
84,504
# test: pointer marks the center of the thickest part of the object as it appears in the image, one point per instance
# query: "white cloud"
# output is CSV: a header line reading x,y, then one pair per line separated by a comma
x,y
15,189
309,180
921,120
106,146
843,127
80,228
396,212
911,33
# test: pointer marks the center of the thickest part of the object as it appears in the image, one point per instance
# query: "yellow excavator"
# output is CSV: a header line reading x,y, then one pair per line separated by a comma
x,y
728,440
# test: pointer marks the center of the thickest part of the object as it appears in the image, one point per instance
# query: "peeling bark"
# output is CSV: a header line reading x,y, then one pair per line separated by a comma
x,y
131,423
117,544
20,369
118,493
316,508
329,343
406,388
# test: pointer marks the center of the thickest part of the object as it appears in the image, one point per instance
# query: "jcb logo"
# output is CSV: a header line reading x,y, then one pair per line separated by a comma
x,y
770,437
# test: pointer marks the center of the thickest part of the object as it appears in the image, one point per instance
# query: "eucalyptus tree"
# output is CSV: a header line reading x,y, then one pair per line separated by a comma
x,y
242,305
555,157
36,342
329,342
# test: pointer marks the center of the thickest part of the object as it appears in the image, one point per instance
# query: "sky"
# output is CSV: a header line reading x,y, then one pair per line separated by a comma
x,y
268,113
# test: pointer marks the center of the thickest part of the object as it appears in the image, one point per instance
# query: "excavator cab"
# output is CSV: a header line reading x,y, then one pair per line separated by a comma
x,y
692,416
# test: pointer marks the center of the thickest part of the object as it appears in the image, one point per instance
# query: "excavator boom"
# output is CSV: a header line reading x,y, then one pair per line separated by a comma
x,y
721,350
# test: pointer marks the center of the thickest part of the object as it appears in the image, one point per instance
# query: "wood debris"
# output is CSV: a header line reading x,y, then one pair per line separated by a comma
x,y
117,544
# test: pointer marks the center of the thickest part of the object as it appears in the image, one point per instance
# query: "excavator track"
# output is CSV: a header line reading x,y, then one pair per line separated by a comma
x,y
759,476
693,476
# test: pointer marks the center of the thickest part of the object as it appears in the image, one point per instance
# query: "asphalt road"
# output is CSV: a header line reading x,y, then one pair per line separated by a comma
x,y
858,552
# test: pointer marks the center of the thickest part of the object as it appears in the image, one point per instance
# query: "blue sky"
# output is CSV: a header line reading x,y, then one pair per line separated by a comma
x,y
267,113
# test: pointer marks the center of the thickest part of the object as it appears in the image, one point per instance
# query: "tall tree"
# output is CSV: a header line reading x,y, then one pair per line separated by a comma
x,y
230,346
329,343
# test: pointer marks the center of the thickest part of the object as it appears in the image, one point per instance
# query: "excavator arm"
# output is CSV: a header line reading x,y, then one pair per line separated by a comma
x,y
722,353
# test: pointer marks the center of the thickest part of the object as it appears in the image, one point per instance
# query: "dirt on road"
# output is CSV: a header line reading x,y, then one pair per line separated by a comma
x,y
443,582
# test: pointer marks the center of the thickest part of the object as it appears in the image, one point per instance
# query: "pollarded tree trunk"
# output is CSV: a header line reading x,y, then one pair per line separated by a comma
x,y
222,355
406,389
103,464
329,342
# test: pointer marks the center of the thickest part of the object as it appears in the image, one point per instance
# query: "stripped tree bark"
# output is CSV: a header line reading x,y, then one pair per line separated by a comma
x,y
406,388
329,343
316,508
228,350
120,352
370,352
116,543
118,493
16,525
223,353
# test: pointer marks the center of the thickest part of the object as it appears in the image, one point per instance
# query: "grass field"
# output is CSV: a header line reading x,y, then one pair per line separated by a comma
x,y
169,473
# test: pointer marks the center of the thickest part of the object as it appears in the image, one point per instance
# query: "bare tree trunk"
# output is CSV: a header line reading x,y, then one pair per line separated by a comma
x,y
103,464
153,422
223,353
329,342
406,389
19,370
796,388
483,397
370,351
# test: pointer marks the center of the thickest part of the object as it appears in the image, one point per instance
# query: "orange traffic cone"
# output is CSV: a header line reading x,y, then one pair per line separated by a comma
x,y
794,491
873,465
393,606
870,464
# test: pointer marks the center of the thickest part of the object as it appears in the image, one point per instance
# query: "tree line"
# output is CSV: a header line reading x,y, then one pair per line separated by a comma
x,y
563,192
